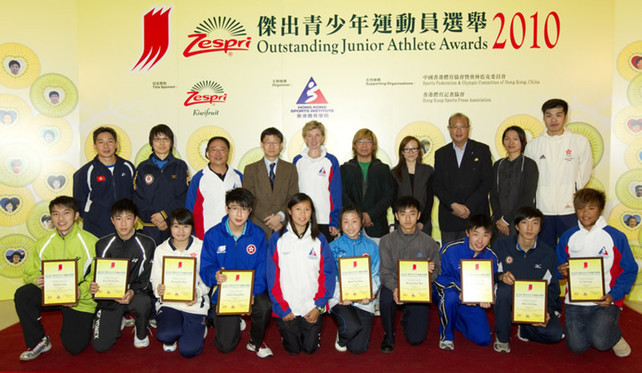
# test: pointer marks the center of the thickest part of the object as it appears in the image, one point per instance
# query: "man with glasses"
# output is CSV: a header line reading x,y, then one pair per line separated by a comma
x,y
463,179
367,184
272,181
160,184
206,193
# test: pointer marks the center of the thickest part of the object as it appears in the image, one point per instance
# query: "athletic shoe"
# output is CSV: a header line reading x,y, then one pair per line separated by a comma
x,y
152,323
205,333
263,352
170,348
43,346
338,347
447,345
128,321
501,346
141,343
387,346
621,348
243,324
519,334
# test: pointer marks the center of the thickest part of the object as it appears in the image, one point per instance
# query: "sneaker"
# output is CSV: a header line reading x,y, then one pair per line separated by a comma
x,y
205,333
447,345
128,321
141,343
519,334
501,346
387,346
243,324
621,349
152,323
170,348
338,347
45,345
263,352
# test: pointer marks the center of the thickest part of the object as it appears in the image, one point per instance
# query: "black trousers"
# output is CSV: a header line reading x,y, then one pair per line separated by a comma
x,y
299,335
228,329
414,319
109,315
75,332
354,326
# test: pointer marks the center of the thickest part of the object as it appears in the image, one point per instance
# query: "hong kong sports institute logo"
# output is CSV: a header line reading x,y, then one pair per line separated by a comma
x,y
217,34
155,38
311,94
206,92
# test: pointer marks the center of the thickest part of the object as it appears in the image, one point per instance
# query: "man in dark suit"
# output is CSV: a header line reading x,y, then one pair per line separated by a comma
x,y
272,181
462,180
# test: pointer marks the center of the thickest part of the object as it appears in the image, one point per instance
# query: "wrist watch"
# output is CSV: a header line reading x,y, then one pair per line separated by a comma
x,y
320,309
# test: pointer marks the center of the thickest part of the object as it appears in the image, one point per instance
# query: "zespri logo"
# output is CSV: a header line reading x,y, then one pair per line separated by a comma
x,y
206,92
217,34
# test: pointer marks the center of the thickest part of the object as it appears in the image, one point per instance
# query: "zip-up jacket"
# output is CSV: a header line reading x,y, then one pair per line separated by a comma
x,y
451,254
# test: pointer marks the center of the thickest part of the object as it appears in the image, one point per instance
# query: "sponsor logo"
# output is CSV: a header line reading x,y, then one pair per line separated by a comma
x,y
155,38
217,34
206,92
251,249
311,94
221,249
312,103
538,266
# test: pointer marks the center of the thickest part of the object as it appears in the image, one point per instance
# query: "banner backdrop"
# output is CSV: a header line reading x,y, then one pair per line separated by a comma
x,y
209,69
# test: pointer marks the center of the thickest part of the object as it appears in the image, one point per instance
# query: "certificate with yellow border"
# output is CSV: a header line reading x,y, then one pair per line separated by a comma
x,y
529,301
179,275
112,277
235,294
585,279
477,281
355,278
414,280
60,282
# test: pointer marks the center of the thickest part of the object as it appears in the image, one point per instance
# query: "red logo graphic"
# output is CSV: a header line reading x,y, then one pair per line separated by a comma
x,y
228,31
180,265
100,178
60,267
414,266
530,287
476,266
206,92
238,277
251,249
354,264
113,265
155,38
568,152
585,265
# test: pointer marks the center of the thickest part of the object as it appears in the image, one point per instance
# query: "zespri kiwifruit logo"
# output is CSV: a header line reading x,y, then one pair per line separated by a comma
x,y
206,92
218,34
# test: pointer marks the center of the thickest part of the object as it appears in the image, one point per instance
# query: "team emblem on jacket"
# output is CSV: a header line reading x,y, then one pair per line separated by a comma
x,y
251,249
509,260
149,178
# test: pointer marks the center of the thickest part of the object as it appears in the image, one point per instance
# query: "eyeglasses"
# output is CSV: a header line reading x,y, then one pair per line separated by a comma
x,y
161,139
271,143
364,141
218,150
237,209
459,127
410,150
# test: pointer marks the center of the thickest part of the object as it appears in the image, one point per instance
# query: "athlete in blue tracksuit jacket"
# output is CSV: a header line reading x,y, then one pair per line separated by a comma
x,y
470,320
161,186
96,188
222,250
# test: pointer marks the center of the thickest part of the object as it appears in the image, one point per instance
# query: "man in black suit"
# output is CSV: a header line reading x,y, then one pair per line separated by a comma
x,y
462,179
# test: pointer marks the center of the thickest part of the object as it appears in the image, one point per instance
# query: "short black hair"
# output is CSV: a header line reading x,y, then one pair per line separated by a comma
x,y
104,129
241,196
181,216
65,201
54,93
527,212
520,133
271,131
165,130
406,201
221,138
479,221
14,62
555,103
350,208
122,206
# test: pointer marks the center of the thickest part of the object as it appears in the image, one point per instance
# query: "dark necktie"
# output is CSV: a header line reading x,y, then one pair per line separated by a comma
x,y
271,175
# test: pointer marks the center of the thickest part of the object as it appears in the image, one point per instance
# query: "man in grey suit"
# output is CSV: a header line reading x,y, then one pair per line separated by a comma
x,y
272,181
462,180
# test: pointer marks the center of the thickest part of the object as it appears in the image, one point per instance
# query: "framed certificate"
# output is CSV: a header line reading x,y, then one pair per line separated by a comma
x,y
235,294
414,280
355,279
529,301
585,279
60,282
477,281
112,277
179,275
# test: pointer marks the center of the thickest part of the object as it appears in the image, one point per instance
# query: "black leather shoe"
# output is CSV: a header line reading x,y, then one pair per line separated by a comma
x,y
387,346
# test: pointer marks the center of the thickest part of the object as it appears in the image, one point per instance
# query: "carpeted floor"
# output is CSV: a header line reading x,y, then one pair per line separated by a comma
x,y
525,356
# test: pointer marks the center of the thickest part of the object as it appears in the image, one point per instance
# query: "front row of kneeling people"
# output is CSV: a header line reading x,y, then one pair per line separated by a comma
x,y
296,280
